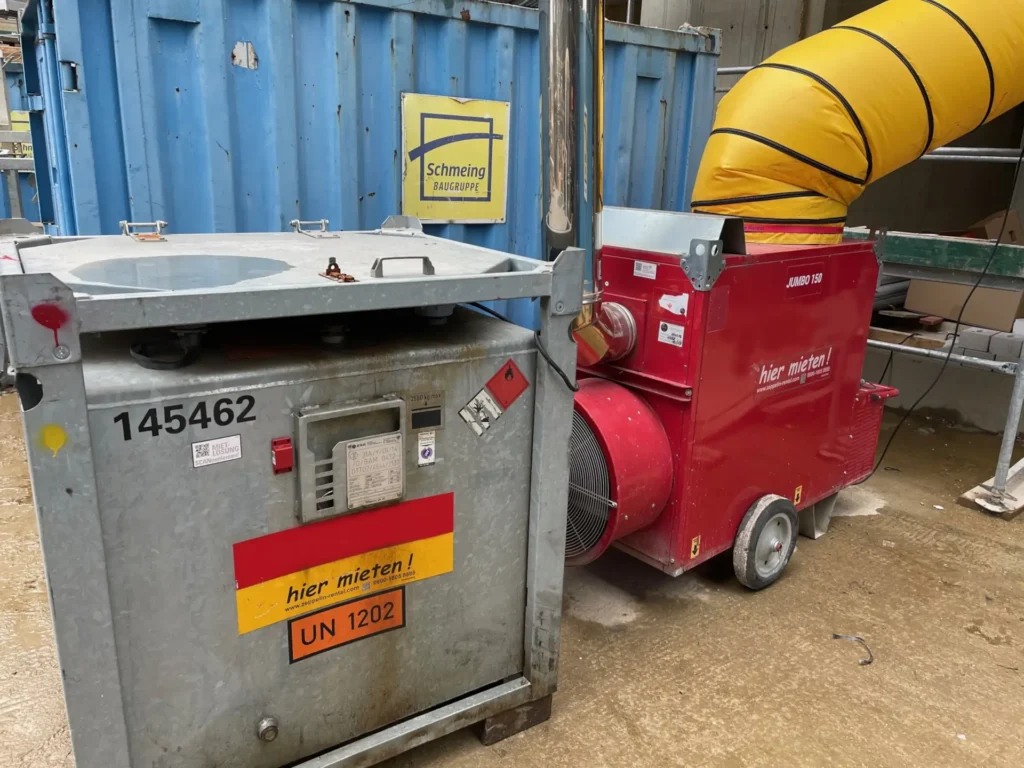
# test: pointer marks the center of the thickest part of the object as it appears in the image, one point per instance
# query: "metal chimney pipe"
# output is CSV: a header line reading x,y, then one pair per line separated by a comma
x,y
591,92
559,63
572,115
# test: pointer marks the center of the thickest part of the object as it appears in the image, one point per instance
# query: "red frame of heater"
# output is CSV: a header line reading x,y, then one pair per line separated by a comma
x,y
774,307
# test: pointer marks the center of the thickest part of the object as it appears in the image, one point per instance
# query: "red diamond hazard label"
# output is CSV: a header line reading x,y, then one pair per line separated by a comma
x,y
493,400
507,384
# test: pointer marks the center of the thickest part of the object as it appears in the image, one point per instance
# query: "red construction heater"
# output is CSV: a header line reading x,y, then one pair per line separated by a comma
x,y
721,403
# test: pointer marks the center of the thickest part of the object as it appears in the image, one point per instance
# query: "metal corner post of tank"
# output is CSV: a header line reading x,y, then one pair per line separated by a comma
x,y
550,483
42,326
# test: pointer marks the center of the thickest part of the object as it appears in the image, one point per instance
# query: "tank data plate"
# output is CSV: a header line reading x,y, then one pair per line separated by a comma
x,y
375,470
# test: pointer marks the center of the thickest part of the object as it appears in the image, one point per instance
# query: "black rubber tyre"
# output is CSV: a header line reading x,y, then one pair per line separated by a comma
x,y
765,542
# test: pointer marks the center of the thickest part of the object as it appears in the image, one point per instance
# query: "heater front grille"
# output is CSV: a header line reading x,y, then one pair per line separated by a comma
x,y
589,502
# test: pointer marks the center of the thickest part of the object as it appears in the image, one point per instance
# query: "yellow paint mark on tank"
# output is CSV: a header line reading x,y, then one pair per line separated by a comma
x,y
53,438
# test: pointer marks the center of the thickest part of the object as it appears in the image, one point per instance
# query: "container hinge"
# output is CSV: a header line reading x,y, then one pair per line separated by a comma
x,y
300,227
704,264
156,236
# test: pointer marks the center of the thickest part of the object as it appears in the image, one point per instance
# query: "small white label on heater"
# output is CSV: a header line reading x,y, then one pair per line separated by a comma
x,y
675,304
426,453
671,334
216,451
645,269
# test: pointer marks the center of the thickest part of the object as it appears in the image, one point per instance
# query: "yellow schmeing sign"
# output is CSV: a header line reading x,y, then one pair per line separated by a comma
x,y
454,159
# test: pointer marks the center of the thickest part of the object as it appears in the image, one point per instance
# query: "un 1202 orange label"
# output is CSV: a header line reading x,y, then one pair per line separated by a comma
x,y
342,624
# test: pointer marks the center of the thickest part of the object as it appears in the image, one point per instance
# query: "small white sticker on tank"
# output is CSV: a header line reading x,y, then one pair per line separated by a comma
x,y
426,453
670,334
677,305
645,269
481,412
216,451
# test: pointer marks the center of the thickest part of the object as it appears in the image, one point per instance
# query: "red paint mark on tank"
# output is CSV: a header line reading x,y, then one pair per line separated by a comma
x,y
6,257
52,317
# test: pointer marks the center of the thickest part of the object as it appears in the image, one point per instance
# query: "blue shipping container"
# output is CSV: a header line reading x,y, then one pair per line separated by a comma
x,y
147,115
28,201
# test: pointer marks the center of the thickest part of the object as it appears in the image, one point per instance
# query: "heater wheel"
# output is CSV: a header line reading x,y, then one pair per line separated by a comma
x,y
765,541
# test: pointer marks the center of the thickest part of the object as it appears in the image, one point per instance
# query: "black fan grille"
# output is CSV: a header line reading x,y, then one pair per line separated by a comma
x,y
589,506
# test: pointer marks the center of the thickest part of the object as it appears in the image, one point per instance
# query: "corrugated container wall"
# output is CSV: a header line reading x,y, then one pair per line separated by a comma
x,y
147,116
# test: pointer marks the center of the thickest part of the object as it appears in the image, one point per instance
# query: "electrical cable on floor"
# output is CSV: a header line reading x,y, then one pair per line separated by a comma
x,y
959,320
540,345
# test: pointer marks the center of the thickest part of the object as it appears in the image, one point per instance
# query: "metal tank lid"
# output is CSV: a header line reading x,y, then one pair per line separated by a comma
x,y
152,279
114,264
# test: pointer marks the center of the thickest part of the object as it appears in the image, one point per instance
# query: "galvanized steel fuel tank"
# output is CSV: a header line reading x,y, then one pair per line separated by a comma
x,y
297,506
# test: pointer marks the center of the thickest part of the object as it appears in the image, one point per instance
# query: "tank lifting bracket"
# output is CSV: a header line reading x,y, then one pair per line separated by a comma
x,y
300,227
402,225
128,228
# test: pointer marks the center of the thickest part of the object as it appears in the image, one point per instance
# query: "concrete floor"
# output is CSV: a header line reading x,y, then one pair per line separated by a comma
x,y
696,671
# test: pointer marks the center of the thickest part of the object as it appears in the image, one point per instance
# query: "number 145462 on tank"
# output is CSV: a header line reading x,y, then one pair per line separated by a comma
x,y
174,419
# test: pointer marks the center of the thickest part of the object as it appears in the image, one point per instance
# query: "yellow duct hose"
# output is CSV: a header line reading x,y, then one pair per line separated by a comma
x,y
801,135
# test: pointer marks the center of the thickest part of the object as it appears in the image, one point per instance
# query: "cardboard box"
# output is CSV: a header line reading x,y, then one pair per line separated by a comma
x,y
990,228
988,308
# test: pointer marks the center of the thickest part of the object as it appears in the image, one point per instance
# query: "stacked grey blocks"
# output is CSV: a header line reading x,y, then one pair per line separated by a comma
x,y
988,345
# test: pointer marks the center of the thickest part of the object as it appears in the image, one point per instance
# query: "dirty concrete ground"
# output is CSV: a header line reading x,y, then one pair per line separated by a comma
x,y
696,671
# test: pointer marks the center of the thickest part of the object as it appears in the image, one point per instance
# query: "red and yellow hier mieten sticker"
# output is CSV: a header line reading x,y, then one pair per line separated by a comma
x,y
300,570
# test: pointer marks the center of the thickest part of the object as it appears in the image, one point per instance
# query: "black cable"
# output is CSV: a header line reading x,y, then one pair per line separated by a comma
x,y
892,354
540,345
573,387
881,379
959,319
489,311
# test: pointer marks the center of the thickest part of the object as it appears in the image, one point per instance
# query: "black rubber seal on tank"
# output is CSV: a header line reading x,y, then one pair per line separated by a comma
x,y
913,73
984,55
846,104
791,153
756,220
757,198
